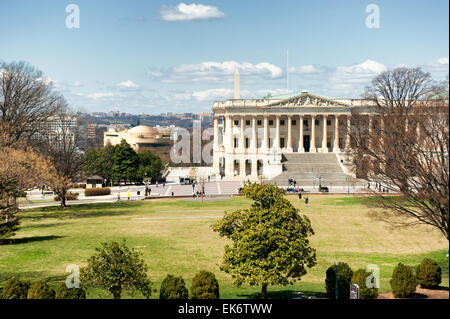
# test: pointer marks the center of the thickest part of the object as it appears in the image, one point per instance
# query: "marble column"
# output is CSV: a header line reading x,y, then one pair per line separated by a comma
x,y
241,135
324,135
216,133
266,133
347,140
336,134
254,140
289,138
228,133
312,148
276,144
301,148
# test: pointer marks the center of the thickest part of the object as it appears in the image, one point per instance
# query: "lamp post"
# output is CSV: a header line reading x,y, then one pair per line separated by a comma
x,y
336,289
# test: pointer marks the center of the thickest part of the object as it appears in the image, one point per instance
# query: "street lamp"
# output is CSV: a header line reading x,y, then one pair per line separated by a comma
x,y
336,289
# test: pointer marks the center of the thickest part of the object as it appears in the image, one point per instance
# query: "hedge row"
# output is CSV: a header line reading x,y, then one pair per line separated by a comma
x,y
17,289
204,286
97,191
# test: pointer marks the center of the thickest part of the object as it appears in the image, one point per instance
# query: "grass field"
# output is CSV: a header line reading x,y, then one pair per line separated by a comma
x,y
175,237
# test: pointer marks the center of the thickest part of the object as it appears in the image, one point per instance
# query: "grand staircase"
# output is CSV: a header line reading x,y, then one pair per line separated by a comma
x,y
306,168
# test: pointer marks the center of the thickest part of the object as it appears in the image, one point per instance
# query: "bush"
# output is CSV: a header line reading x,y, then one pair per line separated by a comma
x,y
40,290
429,274
173,288
15,289
403,281
345,275
97,191
359,278
69,196
62,292
204,286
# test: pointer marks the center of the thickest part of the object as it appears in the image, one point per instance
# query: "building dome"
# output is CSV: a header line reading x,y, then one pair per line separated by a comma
x,y
143,130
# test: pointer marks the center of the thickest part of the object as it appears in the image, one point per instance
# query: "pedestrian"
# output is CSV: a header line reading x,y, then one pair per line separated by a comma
x,y
172,193
306,201
128,195
209,178
156,184
164,184
295,183
118,196
299,195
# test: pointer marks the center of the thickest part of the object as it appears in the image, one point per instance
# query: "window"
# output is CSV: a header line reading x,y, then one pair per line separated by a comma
x,y
236,142
282,142
247,142
316,122
236,122
305,123
258,122
270,142
247,122
270,122
328,122
282,122
294,122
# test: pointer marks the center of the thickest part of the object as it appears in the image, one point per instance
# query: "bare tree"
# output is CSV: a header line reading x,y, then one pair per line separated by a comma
x,y
401,142
61,147
27,100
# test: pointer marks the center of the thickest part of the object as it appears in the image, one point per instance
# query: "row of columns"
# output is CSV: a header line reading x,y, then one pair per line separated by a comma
x,y
228,140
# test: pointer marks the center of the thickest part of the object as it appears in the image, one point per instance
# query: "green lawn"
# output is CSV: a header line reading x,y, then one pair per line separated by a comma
x,y
50,239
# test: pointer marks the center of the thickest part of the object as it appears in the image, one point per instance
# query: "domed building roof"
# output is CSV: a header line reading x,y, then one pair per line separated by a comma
x,y
143,130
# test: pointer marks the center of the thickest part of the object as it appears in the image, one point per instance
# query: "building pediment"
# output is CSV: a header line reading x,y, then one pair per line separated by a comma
x,y
308,100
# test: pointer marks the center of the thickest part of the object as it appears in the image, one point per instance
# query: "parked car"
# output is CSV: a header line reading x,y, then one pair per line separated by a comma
x,y
324,189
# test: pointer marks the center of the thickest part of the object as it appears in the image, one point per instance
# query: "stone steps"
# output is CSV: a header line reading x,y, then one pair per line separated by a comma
x,y
305,168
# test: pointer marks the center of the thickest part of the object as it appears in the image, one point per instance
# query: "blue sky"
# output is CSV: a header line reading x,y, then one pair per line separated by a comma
x,y
151,57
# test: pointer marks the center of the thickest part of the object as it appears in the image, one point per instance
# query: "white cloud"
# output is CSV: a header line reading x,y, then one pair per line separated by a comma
x,y
101,95
216,71
189,12
358,73
128,86
307,69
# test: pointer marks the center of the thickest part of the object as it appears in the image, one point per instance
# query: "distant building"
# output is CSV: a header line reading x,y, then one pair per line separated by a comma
x,y
141,138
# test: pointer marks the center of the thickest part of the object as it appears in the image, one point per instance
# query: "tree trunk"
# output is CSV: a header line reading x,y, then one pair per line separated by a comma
x,y
63,201
264,291
116,294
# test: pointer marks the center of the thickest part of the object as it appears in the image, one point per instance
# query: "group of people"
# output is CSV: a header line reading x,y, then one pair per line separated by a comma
x,y
292,181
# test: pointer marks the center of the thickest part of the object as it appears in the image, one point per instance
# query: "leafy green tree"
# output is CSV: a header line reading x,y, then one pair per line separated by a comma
x,y
116,268
150,165
15,289
359,277
40,290
205,286
99,161
429,273
62,292
345,274
270,242
126,162
173,288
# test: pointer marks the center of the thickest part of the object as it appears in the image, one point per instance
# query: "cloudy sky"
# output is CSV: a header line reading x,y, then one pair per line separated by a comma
x,y
143,56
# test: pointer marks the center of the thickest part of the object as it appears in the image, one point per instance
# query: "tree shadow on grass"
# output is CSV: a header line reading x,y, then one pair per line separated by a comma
x,y
83,211
284,294
33,239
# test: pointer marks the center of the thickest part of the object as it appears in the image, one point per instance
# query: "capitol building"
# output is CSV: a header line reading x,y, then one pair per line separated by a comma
x,y
302,136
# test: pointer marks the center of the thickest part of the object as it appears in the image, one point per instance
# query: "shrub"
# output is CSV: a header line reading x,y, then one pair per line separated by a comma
x,y
15,289
403,281
69,196
97,191
205,286
173,288
40,290
429,274
345,275
62,292
359,278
